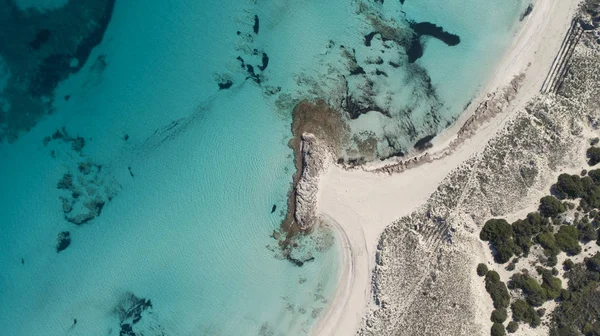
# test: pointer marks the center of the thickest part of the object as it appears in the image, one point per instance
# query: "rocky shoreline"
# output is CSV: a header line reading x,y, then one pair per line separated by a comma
x,y
317,131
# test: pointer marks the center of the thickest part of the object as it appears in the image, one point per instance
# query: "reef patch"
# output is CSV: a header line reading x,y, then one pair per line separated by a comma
x,y
44,50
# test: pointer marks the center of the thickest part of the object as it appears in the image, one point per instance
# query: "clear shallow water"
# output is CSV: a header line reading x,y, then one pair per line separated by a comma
x,y
192,187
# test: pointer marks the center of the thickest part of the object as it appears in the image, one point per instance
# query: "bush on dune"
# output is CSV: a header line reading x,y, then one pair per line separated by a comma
x,y
550,206
567,239
499,233
497,290
523,312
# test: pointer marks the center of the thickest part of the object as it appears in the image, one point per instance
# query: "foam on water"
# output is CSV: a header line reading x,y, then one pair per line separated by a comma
x,y
191,171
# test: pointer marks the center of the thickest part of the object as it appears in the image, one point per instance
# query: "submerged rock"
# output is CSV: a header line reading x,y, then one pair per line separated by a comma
x,y
130,310
66,182
63,241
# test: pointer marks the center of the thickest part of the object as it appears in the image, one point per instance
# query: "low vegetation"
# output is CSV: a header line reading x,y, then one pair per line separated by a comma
x,y
559,225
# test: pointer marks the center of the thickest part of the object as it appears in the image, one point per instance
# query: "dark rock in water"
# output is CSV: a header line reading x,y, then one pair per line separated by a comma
x,y
369,38
397,153
430,29
78,144
51,71
126,137
256,25
93,209
40,39
415,50
66,182
402,2
250,70
130,172
22,261
526,13
380,73
297,262
271,90
252,74
58,134
241,61
273,208
85,167
393,64
415,47
67,97
356,108
129,310
63,241
126,330
357,70
265,62
424,143
225,85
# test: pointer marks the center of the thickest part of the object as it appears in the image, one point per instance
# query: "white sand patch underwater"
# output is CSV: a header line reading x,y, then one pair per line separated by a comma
x,y
185,153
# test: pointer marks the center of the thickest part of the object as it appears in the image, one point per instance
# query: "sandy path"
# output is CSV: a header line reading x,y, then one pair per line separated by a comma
x,y
360,204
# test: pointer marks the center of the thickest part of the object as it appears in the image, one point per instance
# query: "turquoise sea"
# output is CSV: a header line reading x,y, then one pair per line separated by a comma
x,y
163,160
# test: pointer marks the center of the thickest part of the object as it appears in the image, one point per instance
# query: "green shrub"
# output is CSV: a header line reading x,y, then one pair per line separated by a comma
x,y
497,290
593,263
568,186
497,330
587,232
534,293
550,206
548,241
578,311
593,155
512,327
482,269
568,264
523,312
495,230
551,284
567,239
499,233
595,175
552,260
499,315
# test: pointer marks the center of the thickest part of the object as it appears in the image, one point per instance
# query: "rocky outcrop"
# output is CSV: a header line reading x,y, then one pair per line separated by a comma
x,y
314,158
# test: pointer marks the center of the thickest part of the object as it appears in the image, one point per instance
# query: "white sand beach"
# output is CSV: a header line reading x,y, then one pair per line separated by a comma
x,y
360,204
